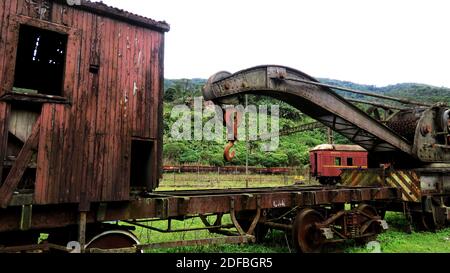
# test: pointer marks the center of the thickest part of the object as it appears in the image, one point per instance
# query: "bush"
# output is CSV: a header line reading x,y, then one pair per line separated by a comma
x,y
189,156
276,159
172,151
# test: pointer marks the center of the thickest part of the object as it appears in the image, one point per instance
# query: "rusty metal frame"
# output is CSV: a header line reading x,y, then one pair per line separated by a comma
x,y
170,230
44,247
208,202
211,241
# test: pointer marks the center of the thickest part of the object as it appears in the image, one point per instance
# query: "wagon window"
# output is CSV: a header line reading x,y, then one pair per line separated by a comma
x,y
338,161
40,61
349,161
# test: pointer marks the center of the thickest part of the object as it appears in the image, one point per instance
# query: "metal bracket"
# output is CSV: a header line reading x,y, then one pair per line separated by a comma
x,y
257,216
327,233
26,217
233,217
183,204
162,208
246,198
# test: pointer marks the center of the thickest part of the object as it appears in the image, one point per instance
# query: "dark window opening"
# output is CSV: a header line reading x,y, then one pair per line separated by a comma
x,y
349,161
141,152
337,161
40,61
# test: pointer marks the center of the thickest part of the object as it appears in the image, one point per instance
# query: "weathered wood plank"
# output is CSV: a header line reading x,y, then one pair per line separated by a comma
x,y
10,34
3,21
83,23
101,112
4,113
18,169
93,87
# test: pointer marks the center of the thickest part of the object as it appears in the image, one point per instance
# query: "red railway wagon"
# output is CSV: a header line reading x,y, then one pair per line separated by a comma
x,y
328,161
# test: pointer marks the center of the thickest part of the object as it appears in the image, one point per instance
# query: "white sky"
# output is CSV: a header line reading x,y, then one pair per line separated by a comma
x,y
371,42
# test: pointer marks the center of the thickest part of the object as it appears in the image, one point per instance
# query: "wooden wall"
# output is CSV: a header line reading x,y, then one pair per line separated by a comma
x,y
84,146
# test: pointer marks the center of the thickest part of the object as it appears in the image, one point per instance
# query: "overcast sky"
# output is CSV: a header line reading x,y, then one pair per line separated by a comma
x,y
371,42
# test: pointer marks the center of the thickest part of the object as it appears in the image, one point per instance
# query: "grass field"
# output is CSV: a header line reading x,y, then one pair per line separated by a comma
x,y
395,240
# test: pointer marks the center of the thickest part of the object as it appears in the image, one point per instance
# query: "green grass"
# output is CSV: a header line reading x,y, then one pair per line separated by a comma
x,y
275,242
395,240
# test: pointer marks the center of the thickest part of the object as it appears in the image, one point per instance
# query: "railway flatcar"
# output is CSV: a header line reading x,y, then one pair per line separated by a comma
x,y
328,160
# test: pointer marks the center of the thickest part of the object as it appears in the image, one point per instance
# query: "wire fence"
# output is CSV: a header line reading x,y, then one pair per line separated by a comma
x,y
235,177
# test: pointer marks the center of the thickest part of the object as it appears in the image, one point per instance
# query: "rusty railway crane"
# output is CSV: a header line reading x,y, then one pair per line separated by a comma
x,y
412,146
81,143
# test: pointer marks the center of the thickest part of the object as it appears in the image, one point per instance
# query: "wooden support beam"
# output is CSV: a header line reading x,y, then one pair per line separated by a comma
x,y
20,166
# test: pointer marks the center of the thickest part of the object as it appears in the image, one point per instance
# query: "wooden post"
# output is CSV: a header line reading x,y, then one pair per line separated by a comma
x,y
82,230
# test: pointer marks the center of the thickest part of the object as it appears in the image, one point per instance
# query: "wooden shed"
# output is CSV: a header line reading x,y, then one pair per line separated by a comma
x,y
80,101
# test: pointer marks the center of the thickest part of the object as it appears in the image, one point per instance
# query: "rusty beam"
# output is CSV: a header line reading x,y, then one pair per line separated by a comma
x,y
405,101
211,241
19,167
177,230
278,226
210,202
45,247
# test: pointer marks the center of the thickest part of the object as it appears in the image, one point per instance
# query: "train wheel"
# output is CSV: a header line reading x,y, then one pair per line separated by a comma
x,y
305,236
369,226
113,239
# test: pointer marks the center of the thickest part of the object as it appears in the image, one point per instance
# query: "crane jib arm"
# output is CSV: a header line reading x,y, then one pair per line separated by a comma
x,y
318,102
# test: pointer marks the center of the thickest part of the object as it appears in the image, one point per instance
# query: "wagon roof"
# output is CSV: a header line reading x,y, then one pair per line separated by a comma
x,y
119,14
336,147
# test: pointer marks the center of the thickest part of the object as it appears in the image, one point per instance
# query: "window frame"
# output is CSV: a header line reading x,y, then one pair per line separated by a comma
x,y
70,66
350,161
338,161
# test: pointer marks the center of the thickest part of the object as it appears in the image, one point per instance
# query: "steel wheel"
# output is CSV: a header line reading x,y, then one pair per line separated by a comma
x,y
113,239
369,226
305,236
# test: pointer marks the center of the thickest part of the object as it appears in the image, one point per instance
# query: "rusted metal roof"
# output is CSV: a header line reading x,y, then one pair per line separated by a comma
x,y
119,14
336,147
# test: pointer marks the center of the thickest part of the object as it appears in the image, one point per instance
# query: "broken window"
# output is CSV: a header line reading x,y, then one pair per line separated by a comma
x,y
40,61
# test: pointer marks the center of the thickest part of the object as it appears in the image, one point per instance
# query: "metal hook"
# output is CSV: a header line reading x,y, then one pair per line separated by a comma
x,y
226,154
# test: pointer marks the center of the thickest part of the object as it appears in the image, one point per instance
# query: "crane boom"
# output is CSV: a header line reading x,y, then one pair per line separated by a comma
x,y
324,105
